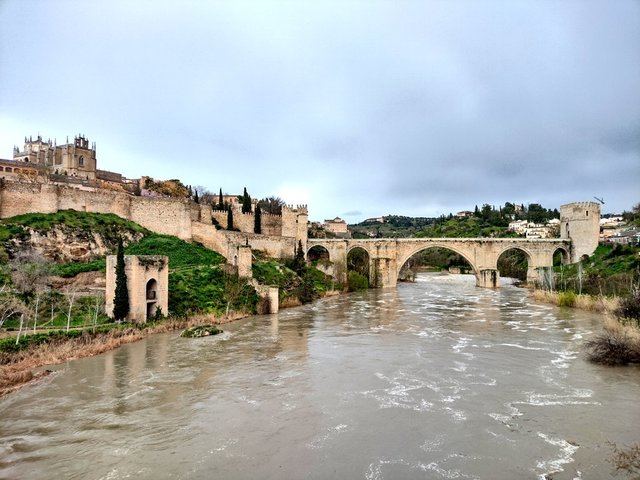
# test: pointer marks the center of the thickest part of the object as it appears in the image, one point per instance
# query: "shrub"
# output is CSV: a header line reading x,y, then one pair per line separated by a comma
x,y
566,299
630,306
357,282
200,331
614,347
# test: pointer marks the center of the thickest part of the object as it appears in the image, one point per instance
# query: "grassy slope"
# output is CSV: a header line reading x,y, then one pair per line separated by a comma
x,y
196,281
276,273
611,270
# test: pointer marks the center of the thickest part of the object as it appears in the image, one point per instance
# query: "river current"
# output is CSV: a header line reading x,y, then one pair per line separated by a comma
x,y
434,379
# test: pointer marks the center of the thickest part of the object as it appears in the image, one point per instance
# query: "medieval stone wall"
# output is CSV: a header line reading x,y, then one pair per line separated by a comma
x,y
273,246
271,224
177,217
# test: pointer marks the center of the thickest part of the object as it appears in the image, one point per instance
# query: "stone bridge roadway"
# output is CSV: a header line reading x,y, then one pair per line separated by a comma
x,y
388,255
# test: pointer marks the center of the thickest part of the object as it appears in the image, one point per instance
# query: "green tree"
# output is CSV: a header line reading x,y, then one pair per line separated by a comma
x,y
220,201
246,202
121,298
476,212
257,220
229,218
298,260
196,198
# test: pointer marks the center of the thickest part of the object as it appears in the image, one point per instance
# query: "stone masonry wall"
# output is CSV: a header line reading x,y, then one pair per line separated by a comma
x,y
178,217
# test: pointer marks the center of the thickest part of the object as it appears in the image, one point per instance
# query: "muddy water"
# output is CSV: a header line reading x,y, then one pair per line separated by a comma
x,y
436,379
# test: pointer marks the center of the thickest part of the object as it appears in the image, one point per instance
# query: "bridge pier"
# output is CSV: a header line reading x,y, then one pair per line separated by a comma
x,y
488,278
383,272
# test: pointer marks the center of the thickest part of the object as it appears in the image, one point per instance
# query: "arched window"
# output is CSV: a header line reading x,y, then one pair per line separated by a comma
x,y
81,161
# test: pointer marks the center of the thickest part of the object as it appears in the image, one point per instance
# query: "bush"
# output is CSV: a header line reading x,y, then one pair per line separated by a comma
x,y
630,307
200,331
566,299
614,347
357,282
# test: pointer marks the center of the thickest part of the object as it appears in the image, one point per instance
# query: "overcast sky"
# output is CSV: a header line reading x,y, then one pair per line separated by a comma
x,y
357,108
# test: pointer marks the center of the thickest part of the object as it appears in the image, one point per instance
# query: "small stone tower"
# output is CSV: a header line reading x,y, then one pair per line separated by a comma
x,y
580,223
148,284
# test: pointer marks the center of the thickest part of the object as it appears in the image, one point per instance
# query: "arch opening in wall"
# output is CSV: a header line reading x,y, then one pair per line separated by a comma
x,y
434,259
358,270
514,263
152,297
560,257
318,254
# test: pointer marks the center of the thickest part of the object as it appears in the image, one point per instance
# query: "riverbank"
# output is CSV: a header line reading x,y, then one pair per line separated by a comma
x,y
590,303
17,367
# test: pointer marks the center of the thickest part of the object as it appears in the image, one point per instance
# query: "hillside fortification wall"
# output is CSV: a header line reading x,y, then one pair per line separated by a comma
x,y
178,217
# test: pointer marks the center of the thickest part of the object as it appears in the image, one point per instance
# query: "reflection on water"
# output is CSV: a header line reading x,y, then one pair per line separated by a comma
x,y
436,379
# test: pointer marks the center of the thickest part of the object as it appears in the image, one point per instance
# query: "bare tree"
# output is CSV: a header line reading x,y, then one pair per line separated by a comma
x,y
70,294
99,301
30,275
29,272
272,205
10,306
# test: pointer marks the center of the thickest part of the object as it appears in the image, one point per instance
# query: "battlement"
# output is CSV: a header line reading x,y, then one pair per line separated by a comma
x,y
593,205
301,208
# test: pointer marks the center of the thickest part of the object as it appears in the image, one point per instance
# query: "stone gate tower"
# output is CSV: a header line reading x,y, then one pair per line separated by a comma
x,y
147,283
580,222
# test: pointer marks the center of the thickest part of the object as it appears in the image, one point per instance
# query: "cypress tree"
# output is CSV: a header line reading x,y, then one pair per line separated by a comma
x,y
196,198
229,218
257,220
246,202
476,212
220,201
298,260
121,298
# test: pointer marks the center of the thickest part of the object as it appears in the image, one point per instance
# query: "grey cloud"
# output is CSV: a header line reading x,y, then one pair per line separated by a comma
x,y
415,108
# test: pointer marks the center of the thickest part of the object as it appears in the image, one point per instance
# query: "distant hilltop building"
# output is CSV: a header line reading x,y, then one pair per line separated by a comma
x,y
77,159
464,214
72,162
336,226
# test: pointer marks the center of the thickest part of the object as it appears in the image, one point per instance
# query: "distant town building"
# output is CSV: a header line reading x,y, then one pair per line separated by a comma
x,y
536,230
464,214
630,236
337,227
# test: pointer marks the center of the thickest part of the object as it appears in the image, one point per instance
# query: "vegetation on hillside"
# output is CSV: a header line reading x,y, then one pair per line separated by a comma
x,y
198,282
305,287
486,221
611,270
169,188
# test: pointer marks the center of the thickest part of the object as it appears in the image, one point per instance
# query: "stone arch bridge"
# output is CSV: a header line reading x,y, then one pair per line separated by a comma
x,y
387,256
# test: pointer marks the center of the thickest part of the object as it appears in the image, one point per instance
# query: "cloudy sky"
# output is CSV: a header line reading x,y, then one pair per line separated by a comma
x,y
356,108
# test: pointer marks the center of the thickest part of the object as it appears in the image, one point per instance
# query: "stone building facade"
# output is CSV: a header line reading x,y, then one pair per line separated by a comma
x,y
580,222
147,284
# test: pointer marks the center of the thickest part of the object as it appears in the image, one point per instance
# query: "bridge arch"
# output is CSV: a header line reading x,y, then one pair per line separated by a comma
x,y
565,255
359,260
509,267
318,252
430,245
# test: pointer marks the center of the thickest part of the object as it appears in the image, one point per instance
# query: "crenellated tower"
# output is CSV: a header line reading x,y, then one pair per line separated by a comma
x,y
580,222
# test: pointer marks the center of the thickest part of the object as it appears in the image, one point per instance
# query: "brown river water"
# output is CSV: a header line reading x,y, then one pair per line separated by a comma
x,y
435,379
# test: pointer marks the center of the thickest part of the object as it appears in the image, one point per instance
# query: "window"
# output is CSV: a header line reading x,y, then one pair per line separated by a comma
x,y
81,161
